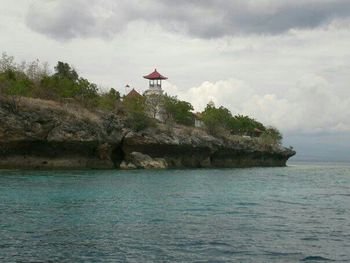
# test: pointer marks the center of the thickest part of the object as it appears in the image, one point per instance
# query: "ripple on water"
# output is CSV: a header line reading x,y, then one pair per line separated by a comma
x,y
300,213
316,258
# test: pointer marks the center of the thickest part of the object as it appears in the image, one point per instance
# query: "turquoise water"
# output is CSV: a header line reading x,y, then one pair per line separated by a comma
x,y
291,214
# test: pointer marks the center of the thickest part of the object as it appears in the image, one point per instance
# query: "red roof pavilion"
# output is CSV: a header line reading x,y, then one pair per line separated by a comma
x,y
154,76
133,93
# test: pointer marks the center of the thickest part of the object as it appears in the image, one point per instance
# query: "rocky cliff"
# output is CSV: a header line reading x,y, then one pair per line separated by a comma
x,y
50,135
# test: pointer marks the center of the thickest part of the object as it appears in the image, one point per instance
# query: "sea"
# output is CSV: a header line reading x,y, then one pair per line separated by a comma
x,y
300,213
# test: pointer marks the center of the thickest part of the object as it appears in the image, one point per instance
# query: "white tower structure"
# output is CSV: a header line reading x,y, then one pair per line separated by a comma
x,y
155,83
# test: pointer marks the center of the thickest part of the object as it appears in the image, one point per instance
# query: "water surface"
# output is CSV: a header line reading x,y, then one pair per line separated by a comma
x,y
291,214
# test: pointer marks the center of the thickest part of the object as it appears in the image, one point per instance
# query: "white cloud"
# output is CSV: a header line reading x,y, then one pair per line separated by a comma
x,y
311,107
231,92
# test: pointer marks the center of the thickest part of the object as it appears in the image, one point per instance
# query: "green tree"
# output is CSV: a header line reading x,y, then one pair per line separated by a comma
x,y
179,111
271,136
135,107
245,125
86,93
66,83
14,85
113,94
134,103
216,119
65,71
109,100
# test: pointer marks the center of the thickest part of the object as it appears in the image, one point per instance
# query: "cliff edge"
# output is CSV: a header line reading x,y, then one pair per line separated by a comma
x,y
50,135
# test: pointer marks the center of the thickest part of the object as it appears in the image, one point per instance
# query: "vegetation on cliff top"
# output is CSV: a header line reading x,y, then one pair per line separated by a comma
x,y
35,80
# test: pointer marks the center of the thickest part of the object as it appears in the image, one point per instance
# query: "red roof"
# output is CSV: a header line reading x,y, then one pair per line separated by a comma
x,y
133,93
155,75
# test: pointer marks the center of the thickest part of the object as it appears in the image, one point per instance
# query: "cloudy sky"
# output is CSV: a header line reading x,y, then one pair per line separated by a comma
x,y
286,63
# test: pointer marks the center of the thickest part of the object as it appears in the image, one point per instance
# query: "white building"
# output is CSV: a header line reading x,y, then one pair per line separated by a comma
x,y
155,83
154,98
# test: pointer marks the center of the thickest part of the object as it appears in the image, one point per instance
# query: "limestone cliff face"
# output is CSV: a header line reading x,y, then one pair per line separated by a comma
x,y
44,134
196,149
49,135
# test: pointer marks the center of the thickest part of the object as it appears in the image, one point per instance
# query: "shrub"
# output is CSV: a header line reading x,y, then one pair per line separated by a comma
x,y
108,101
244,125
216,119
7,63
179,111
66,83
219,119
138,121
271,136
14,85
134,103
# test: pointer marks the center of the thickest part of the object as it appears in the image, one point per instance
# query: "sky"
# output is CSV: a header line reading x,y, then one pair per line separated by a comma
x,y
285,63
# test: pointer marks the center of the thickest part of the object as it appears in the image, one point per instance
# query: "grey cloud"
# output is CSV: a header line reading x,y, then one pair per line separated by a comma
x,y
64,19
61,19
